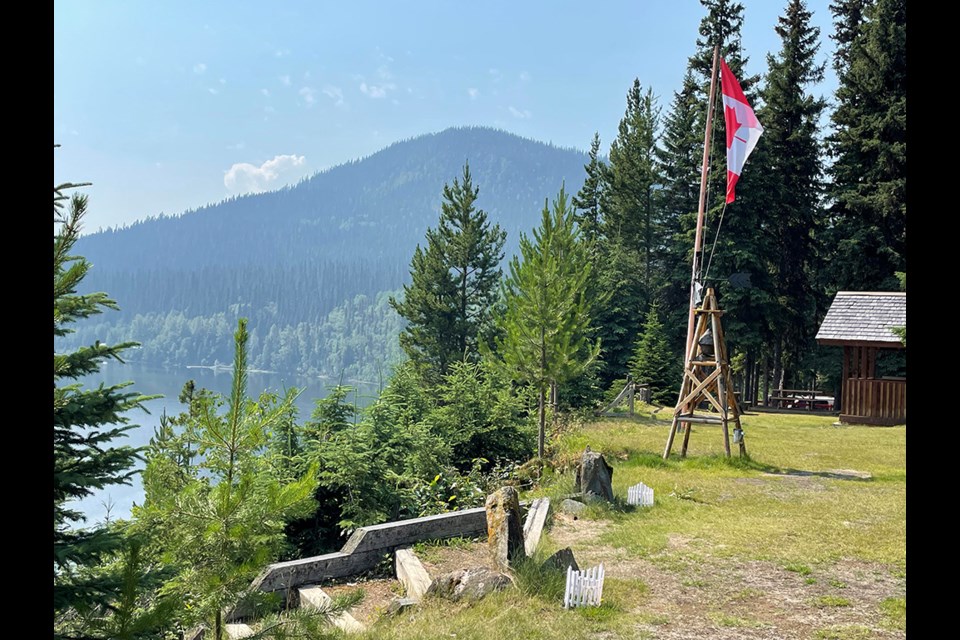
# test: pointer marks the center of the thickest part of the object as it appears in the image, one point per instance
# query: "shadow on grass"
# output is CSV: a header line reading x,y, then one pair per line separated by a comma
x,y
746,463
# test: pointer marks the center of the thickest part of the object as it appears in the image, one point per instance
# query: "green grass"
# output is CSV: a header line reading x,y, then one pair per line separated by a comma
x,y
783,506
773,506
849,632
895,612
832,601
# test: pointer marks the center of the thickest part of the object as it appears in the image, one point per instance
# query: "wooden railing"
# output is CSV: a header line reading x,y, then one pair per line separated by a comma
x,y
874,401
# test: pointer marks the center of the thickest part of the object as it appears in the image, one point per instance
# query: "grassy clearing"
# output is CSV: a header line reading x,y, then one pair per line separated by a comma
x,y
805,539
755,508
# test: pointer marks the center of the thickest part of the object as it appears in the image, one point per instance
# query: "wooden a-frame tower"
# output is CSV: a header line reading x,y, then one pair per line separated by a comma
x,y
706,378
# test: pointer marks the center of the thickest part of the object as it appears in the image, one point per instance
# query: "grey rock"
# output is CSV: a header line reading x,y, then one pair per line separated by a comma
x,y
595,476
469,584
573,507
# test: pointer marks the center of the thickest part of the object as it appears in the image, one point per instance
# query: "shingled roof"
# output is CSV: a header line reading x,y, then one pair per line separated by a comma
x,y
865,318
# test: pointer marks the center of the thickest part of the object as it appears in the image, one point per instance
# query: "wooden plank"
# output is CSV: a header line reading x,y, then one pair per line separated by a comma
x,y
533,525
391,535
700,419
411,574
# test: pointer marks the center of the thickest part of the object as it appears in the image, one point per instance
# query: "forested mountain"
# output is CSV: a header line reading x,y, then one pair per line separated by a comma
x,y
307,263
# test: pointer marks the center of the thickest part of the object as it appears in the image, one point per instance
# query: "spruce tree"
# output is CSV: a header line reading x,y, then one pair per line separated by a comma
x,y
679,156
654,362
587,200
791,138
453,284
868,209
629,254
545,329
87,423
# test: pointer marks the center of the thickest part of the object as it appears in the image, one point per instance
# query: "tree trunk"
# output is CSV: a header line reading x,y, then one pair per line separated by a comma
x,y
778,364
542,415
766,380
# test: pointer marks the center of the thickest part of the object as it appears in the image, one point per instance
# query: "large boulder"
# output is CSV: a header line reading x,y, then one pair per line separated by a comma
x,y
595,476
469,584
504,527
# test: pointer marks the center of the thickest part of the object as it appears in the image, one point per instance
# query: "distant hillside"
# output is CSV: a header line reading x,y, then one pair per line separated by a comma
x,y
317,254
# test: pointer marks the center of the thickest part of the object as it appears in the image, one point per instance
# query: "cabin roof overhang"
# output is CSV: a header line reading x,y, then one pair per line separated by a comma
x,y
864,319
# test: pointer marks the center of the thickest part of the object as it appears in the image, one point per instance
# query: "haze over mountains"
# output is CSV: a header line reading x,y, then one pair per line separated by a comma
x,y
311,265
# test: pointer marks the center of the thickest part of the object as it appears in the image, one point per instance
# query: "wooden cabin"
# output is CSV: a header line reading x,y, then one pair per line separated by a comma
x,y
862,322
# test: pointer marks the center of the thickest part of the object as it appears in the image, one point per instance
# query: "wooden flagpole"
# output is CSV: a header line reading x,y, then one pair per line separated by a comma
x,y
698,241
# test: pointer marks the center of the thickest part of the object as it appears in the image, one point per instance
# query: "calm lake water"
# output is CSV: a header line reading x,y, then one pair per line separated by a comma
x,y
117,500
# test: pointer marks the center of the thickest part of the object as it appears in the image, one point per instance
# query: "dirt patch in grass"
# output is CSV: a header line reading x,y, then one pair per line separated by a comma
x,y
692,594
441,559
437,559
378,592
570,531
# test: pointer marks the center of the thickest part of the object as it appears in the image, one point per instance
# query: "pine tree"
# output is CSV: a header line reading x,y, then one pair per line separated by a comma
x,y
447,305
654,362
87,422
223,518
795,178
869,146
546,325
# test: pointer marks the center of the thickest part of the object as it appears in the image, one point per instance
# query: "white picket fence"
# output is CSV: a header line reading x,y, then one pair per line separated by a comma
x,y
640,494
584,588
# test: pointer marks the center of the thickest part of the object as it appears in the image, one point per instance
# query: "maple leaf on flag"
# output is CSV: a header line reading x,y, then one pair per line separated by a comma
x,y
743,128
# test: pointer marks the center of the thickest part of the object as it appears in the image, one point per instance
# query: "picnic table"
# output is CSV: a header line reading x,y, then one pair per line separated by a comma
x,y
800,399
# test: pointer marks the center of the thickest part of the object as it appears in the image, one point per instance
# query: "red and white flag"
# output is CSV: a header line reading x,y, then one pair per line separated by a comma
x,y
743,128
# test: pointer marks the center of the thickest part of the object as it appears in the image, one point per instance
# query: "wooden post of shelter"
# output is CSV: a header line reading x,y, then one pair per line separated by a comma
x,y
707,378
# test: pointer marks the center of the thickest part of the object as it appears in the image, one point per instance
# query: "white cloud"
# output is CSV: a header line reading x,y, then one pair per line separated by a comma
x,y
519,113
285,81
213,91
524,76
473,92
376,91
237,146
279,53
265,92
335,94
223,81
199,68
308,95
384,72
244,177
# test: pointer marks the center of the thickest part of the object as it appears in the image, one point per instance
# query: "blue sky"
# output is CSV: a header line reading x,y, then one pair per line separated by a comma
x,y
166,106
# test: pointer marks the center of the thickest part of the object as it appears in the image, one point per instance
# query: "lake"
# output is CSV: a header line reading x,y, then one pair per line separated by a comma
x,y
116,501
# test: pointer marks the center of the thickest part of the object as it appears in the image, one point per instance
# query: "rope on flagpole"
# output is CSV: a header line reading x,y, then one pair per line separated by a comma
x,y
715,238
701,276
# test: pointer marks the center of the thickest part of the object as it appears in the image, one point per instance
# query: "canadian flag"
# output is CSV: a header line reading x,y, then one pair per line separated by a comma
x,y
743,128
